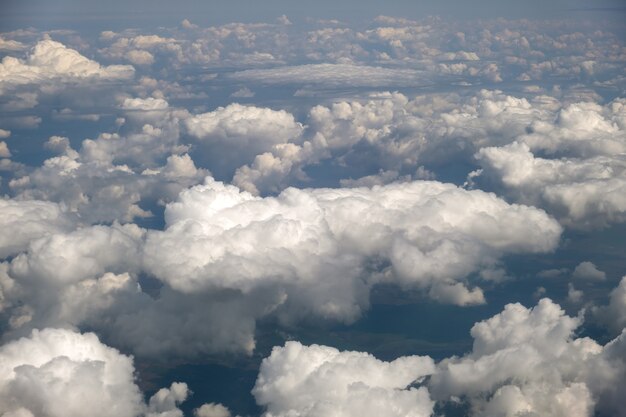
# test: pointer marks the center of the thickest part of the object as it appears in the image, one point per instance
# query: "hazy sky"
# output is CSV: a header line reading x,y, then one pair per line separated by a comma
x,y
56,13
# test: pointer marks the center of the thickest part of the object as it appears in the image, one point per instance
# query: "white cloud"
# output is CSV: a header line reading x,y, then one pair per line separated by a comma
x,y
232,136
98,184
4,133
523,362
316,381
27,220
582,193
314,246
52,61
4,150
147,104
139,57
588,271
527,362
164,403
212,410
61,373
11,45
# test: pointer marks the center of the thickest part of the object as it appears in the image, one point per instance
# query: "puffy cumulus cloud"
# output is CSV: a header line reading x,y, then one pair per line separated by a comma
x,y
569,160
528,362
387,51
4,133
322,249
524,361
297,380
151,134
242,45
582,193
84,252
580,129
55,282
588,271
164,403
391,132
51,61
25,220
147,104
98,185
57,372
139,49
139,57
613,315
212,410
232,136
383,128
88,278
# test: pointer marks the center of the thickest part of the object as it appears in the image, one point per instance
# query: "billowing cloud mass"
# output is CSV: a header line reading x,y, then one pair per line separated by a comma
x,y
26,220
52,61
232,136
55,372
194,194
58,373
325,247
528,362
523,362
316,381
581,180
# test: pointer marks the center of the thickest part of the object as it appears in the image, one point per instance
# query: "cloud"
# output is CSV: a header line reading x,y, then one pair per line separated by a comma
x,y
613,315
57,372
527,361
96,181
139,57
320,381
52,61
390,132
588,271
243,92
334,75
89,278
147,104
212,410
232,136
524,361
11,45
27,220
582,193
164,403
315,246
4,150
